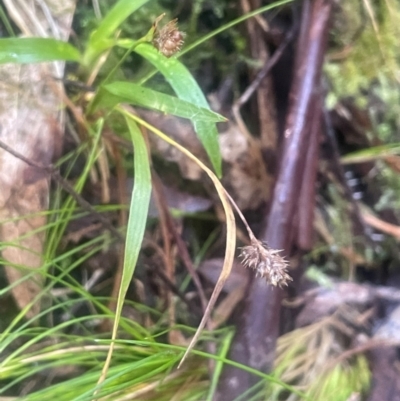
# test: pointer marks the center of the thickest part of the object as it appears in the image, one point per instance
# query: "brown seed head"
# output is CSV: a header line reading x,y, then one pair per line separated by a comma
x,y
168,40
266,262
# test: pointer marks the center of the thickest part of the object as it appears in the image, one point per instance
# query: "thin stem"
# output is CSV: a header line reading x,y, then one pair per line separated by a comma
x,y
123,58
239,212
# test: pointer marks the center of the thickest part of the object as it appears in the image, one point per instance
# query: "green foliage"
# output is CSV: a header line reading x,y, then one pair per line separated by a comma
x,y
310,357
390,180
364,68
141,364
103,37
138,362
184,85
367,47
140,96
36,50
342,381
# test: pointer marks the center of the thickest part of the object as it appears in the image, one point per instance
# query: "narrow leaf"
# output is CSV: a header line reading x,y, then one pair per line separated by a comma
x,y
370,154
100,40
136,225
141,96
115,17
230,231
186,88
138,208
36,50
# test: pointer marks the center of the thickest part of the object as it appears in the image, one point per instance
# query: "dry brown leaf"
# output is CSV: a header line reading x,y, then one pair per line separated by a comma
x,y
31,124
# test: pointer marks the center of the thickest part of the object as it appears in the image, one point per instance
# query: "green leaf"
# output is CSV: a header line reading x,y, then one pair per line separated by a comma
x,y
138,211
186,88
371,154
115,17
219,366
36,50
141,96
99,40
138,208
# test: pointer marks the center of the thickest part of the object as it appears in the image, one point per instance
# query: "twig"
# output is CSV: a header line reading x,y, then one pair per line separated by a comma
x,y
264,71
256,83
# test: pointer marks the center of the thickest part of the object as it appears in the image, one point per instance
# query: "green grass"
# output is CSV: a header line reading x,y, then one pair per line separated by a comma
x,y
60,354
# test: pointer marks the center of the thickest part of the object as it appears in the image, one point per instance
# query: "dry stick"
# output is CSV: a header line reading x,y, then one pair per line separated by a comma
x,y
310,57
305,217
256,83
311,50
67,187
264,71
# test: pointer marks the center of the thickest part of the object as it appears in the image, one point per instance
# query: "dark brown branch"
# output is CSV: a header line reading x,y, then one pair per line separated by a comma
x,y
305,217
264,71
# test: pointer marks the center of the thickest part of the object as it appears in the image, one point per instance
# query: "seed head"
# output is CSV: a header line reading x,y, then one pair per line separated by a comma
x,y
168,40
266,262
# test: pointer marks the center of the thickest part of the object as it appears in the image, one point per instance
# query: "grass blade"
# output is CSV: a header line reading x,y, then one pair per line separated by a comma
x,y
139,205
230,230
186,88
226,344
36,50
136,225
141,96
116,16
371,154
99,40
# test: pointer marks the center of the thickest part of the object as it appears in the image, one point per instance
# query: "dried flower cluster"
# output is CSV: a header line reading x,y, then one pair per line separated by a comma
x,y
168,40
266,262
